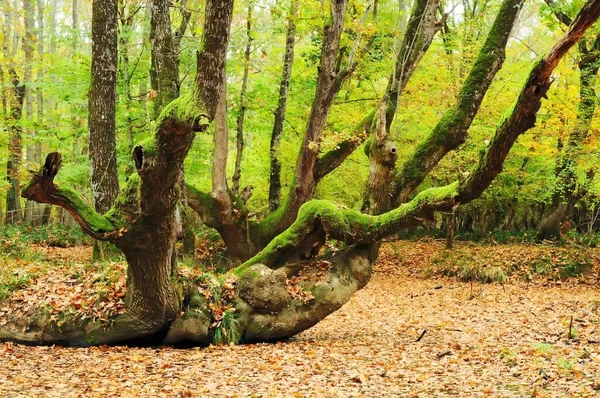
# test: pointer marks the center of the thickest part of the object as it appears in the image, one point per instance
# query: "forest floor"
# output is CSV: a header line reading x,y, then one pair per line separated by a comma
x,y
403,335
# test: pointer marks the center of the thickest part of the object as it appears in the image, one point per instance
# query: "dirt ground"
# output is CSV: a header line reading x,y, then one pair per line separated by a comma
x,y
506,340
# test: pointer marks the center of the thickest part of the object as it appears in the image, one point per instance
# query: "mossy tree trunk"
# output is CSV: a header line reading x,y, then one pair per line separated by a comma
x,y
451,130
16,97
104,178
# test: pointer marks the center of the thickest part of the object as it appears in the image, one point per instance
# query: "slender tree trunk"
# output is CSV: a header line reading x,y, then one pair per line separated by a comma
x,y
75,27
28,50
102,97
284,88
240,119
126,22
14,213
164,56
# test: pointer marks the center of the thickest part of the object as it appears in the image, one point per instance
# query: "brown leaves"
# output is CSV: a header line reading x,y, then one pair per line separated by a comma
x,y
508,342
69,291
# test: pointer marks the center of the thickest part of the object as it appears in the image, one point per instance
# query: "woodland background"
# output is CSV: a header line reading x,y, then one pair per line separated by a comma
x,y
48,46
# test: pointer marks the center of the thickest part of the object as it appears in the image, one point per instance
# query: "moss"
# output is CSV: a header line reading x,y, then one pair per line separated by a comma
x,y
95,221
348,225
149,146
126,203
185,109
264,230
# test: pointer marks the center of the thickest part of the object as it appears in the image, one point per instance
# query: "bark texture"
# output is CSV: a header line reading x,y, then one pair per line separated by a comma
x,y
102,98
164,56
284,89
239,138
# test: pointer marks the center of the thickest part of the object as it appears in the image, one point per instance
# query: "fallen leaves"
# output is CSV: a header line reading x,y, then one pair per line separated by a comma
x,y
508,341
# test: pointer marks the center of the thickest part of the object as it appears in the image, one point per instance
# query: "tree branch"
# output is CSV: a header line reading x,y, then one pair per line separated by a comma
x,y
451,130
318,219
41,189
415,43
523,116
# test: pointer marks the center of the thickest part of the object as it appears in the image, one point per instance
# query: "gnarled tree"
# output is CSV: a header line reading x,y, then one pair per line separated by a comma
x,y
261,299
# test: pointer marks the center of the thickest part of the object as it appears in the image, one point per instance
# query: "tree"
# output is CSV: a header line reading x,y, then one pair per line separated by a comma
x,y
568,191
15,97
284,87
263,298
104,178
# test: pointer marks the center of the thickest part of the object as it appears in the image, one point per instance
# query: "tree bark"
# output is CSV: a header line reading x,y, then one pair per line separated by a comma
x,y
164,56
242,111
125,29
14,213
284,88
102,142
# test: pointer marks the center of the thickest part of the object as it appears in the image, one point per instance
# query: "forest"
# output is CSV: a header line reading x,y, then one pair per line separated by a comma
x,y
268,185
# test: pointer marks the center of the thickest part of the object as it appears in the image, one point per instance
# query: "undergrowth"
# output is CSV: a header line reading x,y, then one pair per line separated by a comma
x,y
472,262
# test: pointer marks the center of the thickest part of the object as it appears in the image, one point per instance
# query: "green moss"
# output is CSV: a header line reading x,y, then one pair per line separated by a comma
x,y
185,109
126,203
96,222
149,146
347,225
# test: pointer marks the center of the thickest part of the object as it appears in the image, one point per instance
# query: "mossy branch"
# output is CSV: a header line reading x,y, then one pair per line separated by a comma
x,y
451,130
348,225
41,189
523,115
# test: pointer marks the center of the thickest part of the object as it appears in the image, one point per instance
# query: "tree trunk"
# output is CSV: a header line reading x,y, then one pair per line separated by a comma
x,y
164,56
240,119
102,98
28,42
14,213
284,88
126,22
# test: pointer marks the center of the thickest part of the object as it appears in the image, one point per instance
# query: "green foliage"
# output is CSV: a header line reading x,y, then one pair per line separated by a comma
x,y
16,239
11,281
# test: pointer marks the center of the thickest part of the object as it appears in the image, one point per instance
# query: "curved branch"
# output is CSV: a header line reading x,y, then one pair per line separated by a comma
x,y
41,189
318,219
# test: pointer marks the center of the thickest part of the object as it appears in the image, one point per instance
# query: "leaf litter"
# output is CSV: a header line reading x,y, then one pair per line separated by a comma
x,y
503,340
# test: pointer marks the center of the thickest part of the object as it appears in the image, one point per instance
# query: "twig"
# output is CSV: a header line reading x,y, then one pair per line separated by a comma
x,y
443,354
571,328
421,336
